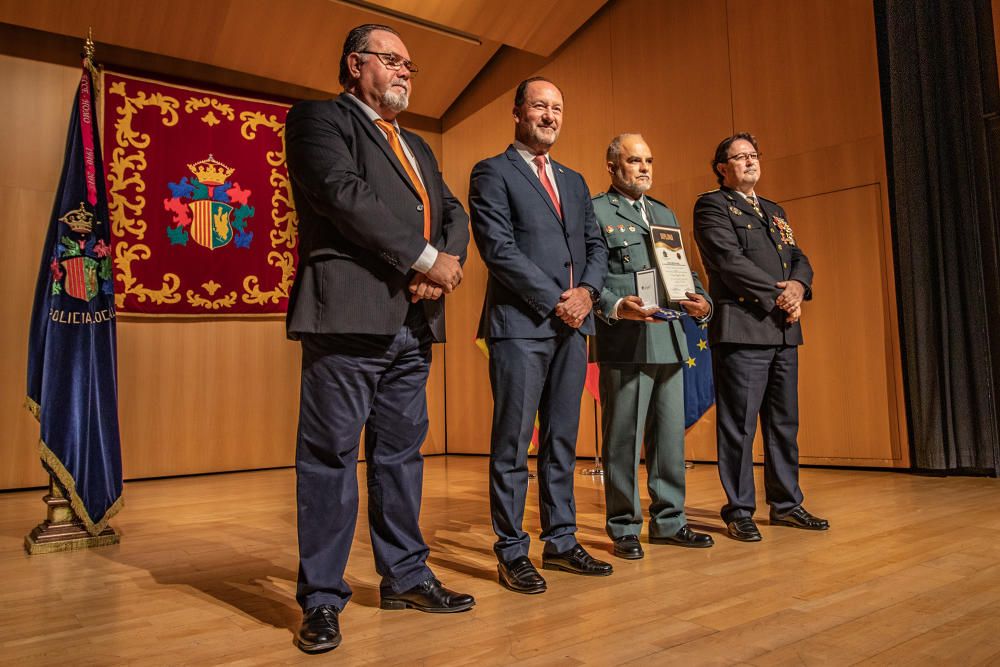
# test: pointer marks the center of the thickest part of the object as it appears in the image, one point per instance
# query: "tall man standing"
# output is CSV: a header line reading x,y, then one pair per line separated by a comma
x,y
758,278
382,238
641,361
535,229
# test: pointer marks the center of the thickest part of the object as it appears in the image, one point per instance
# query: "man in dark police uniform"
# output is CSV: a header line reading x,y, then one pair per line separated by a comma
x,y
758,279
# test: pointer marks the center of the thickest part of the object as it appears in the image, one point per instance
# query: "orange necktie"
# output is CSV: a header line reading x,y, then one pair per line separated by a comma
x,y
397,148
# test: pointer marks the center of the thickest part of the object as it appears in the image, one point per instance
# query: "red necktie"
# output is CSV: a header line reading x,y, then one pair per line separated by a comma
x,y
404,161
543,176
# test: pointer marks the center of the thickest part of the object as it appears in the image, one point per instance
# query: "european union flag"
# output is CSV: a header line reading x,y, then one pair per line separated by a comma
x,y
699,392
72,357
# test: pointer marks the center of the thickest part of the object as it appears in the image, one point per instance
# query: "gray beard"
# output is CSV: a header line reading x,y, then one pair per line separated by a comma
x,y
397,102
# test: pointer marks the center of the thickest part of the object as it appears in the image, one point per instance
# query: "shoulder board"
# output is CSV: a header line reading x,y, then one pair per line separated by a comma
x,y
598,196
656,201
709,192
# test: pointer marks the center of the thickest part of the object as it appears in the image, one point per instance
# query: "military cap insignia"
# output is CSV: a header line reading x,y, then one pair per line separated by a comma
x,y
786,230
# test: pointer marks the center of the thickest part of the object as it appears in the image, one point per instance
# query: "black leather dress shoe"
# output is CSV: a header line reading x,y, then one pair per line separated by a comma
x,y
577,561
520,576
320,631
800,518
429,596
685,537
744,530
628,547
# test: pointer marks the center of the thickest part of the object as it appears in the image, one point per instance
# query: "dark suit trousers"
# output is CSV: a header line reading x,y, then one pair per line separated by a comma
x,y
350,382
529,376
752,380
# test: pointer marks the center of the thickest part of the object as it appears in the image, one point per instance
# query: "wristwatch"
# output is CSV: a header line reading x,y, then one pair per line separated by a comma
x,y
595,296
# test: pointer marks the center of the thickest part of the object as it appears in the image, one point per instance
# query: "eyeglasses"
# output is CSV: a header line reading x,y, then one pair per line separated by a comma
x,y
393,61
742,157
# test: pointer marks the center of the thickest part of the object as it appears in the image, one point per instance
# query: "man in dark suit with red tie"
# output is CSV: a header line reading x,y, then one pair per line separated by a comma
x,y
382,239
534,225
758,278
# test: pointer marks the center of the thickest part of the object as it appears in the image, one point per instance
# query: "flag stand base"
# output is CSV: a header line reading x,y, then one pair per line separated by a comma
x,y
62,531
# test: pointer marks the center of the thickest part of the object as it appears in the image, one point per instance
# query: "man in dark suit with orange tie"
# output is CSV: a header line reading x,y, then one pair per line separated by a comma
x,y
534,225
382,239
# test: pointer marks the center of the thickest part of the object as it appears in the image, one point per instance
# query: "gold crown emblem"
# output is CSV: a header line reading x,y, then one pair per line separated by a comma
x,y
211,171
80,220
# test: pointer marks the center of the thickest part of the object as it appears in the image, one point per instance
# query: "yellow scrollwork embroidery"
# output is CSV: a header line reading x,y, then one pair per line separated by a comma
x,y
225,110
251,284
199,301
124,256
125,172
283,214
125,185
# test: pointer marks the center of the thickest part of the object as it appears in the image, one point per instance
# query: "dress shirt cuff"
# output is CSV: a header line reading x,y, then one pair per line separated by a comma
x,y
613,315
702,320
426,259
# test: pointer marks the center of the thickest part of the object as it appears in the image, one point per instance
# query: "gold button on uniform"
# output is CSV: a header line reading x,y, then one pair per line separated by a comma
x,y
785,264
749,226
741,299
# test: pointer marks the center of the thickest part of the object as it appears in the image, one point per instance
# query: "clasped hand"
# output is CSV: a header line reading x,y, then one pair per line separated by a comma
x,y
574,306
790,299
442,278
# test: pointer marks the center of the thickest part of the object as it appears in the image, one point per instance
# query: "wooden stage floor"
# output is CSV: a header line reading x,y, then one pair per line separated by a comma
x,y
205,575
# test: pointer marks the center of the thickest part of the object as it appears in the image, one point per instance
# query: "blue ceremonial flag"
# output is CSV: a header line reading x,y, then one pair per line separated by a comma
x,y
699,392
72,358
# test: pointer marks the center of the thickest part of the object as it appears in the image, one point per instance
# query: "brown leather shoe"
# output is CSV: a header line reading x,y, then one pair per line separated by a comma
x,y
685,537
577,561
320,631
627,547
799,518
429,596
520,576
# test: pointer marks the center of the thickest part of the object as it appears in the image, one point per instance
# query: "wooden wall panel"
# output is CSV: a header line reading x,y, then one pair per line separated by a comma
x,y
194,395
845,374
804,74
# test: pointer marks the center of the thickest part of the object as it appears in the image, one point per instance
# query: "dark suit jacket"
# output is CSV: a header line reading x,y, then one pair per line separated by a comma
x,y
528,249
361,222
627,237
745,256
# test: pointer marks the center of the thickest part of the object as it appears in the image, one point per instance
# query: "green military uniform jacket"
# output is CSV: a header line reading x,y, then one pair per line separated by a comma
x,y
628,239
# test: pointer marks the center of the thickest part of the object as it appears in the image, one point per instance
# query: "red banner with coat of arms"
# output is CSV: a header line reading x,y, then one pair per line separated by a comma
x,y
202,218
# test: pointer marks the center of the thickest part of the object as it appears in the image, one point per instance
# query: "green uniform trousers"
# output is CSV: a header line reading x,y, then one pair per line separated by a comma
x,y
643,402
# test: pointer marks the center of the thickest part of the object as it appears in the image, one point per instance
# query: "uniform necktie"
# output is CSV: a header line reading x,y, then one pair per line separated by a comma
x,y
752,200
543,176
638,209
397,148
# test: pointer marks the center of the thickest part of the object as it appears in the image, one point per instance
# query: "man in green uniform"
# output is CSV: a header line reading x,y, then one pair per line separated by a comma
x,y
641,362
